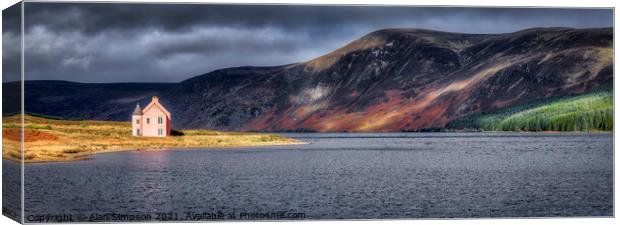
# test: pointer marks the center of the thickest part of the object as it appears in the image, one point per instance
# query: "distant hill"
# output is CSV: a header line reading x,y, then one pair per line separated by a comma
x,y
88,101
388,80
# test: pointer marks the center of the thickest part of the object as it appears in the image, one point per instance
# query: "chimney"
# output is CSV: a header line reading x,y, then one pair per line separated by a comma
x,y
155,99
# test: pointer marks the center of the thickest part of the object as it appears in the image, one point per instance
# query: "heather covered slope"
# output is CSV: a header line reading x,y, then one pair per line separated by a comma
x,y
388,80
394,80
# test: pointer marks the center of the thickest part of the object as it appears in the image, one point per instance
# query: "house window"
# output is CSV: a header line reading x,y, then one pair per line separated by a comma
x,y
160,120
160,132
148,120
137,121
138,131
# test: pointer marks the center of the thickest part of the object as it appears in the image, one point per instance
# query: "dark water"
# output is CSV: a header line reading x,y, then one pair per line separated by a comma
x,y
403,175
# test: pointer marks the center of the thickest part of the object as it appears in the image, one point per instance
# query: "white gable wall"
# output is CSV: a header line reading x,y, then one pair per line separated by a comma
x,y
136,125
151,126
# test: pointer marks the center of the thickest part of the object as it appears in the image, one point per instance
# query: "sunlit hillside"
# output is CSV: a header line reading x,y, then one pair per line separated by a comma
x,y
588,112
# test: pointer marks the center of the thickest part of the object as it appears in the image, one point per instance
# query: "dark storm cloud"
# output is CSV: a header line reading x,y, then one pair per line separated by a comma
x,y
11,41
148,42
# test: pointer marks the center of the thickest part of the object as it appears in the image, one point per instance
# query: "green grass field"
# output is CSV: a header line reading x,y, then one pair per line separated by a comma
x,y
588,112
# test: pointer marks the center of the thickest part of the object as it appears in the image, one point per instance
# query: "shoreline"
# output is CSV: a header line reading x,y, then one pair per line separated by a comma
x,y
47,140
448,132
85,155
430,131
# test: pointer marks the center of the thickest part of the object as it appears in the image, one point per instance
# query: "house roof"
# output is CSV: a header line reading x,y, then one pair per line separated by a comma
x,y
155,103
137,111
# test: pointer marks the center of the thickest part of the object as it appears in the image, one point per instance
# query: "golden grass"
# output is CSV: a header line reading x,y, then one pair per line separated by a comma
x,y
62,140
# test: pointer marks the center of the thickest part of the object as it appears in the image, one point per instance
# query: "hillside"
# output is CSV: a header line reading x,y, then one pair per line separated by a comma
x,y
388,80
88,101
64,140
588,112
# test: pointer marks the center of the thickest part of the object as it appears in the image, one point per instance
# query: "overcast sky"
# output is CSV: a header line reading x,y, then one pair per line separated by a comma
x,y
170,43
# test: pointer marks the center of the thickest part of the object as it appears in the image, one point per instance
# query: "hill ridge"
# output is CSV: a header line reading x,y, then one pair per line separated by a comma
x,y
392,82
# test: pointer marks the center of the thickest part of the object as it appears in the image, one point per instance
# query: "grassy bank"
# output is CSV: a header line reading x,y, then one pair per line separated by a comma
x,y
63,140
588,112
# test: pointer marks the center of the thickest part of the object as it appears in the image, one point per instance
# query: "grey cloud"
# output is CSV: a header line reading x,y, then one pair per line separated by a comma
x,y
102,42
11,40
98,17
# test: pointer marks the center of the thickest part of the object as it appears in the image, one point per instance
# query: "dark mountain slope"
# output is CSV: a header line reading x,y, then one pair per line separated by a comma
x,y
113,101
389,80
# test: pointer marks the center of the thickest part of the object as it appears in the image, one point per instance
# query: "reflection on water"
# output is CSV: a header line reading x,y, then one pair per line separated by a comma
x,y
403,175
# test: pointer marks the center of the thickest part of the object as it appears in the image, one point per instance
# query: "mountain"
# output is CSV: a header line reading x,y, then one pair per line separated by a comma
x,y
87,101
388,80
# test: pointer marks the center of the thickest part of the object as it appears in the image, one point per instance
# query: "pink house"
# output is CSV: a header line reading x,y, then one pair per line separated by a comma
x,y
153,121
